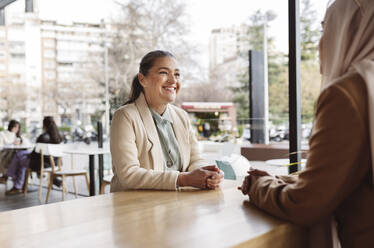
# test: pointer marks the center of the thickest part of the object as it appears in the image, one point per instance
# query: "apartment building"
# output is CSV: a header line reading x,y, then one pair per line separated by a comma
x,y
46,68
69,54
20,67
225,47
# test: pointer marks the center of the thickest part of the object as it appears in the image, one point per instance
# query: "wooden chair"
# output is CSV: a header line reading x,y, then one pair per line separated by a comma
x,y
106,181
55,150
42,172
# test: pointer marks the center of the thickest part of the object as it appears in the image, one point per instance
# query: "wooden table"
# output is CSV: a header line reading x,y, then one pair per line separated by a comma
x,y
91,153
189,218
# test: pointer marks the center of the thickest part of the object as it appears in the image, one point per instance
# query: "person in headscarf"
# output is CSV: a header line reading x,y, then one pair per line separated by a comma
x,y
338,181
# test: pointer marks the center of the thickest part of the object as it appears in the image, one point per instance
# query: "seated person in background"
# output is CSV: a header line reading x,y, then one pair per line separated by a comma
x,y
152,142
338,179
11,136
24,159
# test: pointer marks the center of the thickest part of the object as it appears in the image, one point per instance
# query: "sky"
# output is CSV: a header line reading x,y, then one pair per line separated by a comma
x,y
204,15
209,14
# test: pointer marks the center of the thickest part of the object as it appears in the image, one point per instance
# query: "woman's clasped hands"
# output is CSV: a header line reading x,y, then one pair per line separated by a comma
x,y
206,177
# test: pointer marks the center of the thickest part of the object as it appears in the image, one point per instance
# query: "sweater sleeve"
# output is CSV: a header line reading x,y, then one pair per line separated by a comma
x,y
7,138
335,148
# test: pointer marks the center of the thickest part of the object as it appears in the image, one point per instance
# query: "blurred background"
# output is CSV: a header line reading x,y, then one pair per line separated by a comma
x,y
74,60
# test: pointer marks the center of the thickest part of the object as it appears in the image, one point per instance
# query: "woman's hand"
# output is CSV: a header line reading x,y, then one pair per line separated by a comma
x,y
258,173
214,181
17,141
245,185
253,176
205,177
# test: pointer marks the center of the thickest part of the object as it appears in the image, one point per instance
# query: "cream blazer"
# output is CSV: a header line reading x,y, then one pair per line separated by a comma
x,y
137,158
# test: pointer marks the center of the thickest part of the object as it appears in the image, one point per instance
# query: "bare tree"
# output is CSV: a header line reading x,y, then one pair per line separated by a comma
x,y
204,92
80,87
14,96
142,26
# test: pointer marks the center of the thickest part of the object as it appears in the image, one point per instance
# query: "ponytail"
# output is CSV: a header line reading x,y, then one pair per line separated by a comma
x,y
136,89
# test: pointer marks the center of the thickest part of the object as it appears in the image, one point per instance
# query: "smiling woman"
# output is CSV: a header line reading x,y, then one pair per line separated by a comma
x,y
152,143
161,83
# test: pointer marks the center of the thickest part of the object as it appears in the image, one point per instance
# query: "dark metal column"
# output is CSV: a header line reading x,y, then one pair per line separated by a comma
x,y
257,97
92,174
101,156
294,83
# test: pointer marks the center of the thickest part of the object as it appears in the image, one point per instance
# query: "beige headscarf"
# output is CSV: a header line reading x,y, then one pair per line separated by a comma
x,y
347,46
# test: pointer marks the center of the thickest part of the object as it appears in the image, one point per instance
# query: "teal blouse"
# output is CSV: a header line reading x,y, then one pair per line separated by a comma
x,y
168,140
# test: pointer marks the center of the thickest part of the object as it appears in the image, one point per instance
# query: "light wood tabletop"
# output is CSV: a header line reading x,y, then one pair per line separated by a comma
x,y
186,218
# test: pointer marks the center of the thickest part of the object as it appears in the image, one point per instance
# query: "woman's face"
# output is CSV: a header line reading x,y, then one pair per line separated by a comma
x,y
15,129
161,84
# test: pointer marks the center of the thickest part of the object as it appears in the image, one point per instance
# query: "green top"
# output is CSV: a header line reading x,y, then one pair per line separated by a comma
x,y
168,140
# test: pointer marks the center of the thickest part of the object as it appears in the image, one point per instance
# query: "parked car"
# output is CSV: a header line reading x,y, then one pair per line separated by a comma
x,y
86,134
278,133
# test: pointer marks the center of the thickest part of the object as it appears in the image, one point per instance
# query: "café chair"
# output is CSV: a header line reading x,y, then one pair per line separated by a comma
x,y
43,171
105,181
28,175
55,151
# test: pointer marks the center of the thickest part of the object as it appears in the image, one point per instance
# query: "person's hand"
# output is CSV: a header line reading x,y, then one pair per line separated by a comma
x,y
211,168
198,177
245,185
257,173
214,181
253,176
17,141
